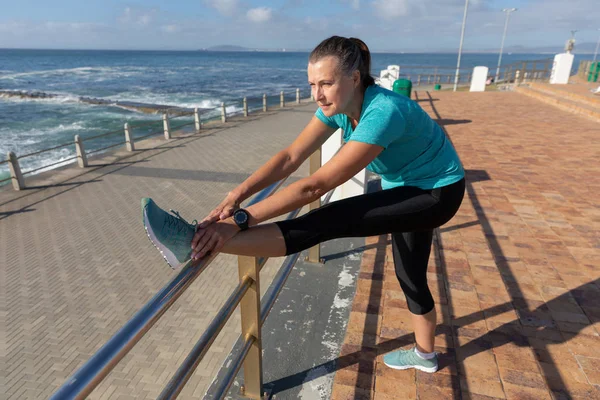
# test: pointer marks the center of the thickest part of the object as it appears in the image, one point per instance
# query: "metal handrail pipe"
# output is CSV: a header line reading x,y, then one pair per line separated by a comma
x,y
45,150
288,264
174,128
103,134
268,302
50,165
85,380
81,384
187,368
105,148
221,391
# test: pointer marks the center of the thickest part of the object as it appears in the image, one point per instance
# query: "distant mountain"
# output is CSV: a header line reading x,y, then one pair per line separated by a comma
x,y
227,47
580,48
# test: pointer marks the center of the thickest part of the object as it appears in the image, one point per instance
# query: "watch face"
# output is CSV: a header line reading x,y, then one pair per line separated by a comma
x,y
240,217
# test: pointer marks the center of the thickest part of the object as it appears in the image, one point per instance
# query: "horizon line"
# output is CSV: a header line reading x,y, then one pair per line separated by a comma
x,y
284,50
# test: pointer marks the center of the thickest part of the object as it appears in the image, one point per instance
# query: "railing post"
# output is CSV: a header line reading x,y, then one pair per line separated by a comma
x,y
522,74
81,157
223,113
15,171
245,101
314,253
419,80
281,100
264,102
312,96
197,120
128,138
250,313
167,126
297,96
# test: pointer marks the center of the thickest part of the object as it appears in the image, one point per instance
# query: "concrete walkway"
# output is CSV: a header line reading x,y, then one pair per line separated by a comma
x,y
515,275
76,263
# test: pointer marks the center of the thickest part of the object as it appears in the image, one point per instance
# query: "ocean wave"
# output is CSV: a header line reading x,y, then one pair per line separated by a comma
x,y
122,71
14,138
164,99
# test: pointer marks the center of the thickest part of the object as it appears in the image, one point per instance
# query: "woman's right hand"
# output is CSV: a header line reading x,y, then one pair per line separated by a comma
x,y
222,211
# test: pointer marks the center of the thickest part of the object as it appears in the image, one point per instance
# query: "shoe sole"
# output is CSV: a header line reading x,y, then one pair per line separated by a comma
x,y
430,370
164,251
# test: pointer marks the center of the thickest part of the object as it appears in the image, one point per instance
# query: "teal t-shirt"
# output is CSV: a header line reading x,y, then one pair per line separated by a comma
x,y
416,150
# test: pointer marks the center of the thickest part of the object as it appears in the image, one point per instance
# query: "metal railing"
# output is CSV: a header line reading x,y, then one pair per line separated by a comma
x,y
519,72
526,71
431,75
253,315
199,119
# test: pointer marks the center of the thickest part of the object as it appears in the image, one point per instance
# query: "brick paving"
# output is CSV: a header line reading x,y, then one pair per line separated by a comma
x,y
515,274
76,263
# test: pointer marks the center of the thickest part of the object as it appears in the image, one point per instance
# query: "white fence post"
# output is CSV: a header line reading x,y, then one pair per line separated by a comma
x,y
15,171
297,96
223,113
264,102
197,119
281,100
167,126
245,107
81,157
128,138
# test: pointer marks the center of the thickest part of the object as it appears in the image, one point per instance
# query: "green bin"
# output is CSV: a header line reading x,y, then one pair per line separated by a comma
x,y
437,87
403,87
594,70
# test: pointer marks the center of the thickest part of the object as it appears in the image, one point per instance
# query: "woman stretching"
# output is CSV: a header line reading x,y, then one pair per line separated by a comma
x,y
421,176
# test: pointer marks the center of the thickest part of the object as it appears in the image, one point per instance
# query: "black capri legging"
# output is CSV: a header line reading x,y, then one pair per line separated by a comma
x,y
409,213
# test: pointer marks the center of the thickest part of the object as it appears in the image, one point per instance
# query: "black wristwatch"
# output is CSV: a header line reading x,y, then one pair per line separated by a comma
x,y
241,218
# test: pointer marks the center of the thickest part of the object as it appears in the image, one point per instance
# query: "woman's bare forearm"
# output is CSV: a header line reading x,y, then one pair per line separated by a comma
x,y
278,167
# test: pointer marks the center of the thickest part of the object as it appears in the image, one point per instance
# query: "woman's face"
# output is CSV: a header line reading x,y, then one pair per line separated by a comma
x,y
333,90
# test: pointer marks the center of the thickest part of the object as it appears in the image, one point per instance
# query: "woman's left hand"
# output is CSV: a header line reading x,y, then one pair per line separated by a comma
x,y
213,237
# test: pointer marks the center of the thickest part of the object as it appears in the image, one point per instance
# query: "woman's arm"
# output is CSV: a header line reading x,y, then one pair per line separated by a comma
x,y
286,161
350,160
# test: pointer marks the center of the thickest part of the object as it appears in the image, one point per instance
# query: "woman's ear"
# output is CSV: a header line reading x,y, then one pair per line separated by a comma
x,y
356,78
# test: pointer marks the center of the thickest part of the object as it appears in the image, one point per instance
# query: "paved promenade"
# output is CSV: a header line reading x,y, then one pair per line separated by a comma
x,y
515,275
76,263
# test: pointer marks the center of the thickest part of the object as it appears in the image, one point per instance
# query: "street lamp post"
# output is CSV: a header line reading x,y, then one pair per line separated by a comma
x,y
462,36
596,51
507,11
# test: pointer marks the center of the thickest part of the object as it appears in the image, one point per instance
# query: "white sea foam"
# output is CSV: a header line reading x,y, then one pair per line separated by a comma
x,y
115,72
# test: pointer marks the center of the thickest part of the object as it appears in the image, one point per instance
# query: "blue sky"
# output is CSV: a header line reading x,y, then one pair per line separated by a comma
x,y
386,25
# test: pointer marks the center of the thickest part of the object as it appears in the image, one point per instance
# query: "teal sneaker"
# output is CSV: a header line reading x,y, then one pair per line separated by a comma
x,y
405,359
170,234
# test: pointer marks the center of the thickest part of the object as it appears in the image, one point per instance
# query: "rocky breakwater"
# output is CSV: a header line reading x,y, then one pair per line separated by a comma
x,y
128,105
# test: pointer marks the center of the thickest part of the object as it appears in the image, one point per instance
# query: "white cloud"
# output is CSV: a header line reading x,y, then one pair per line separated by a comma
x,y
260,14
225,7
136,16
391,8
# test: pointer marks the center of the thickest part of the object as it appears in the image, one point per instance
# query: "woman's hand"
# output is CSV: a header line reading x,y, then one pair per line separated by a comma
x,y
212,237
222,211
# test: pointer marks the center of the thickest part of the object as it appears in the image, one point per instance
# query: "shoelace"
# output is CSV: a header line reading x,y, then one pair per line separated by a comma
x,y
180,219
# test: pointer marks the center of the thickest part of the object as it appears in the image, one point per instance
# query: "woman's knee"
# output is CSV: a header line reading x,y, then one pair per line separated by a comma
x,y
418,299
